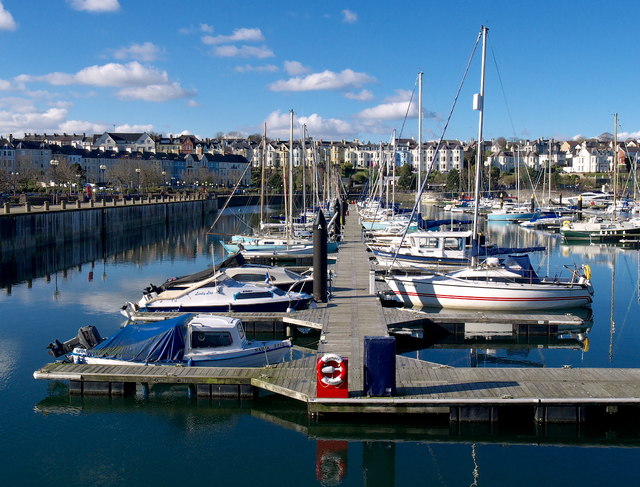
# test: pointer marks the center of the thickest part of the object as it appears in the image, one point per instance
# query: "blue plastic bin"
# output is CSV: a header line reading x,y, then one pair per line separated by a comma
x,y
379,366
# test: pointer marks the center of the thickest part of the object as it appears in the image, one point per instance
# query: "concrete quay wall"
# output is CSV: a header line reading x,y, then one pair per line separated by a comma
x,y
28,229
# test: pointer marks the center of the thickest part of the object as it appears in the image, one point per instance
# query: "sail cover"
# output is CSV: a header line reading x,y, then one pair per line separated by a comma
x,y
162,341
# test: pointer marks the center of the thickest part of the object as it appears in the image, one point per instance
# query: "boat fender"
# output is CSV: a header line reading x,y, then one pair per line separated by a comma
x,y
586,269
328,366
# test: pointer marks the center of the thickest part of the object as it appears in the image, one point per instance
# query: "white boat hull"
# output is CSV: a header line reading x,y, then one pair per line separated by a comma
x,y
442,292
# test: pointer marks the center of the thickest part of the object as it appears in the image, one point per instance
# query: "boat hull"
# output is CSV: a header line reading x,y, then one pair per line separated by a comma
x,y
510,217
259,355
604,235
438,292
280,306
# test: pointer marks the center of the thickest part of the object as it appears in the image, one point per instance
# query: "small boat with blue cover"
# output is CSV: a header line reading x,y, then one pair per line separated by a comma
x,y
199,340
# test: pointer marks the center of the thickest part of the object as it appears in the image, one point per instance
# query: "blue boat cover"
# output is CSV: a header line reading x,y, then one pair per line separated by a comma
x,y
429,224
482,251
162,341
522,266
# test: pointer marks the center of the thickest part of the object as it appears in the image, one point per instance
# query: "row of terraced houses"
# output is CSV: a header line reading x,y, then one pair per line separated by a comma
x,y
183,158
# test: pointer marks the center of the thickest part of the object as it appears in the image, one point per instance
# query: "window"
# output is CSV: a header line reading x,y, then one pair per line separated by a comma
x,y
211,339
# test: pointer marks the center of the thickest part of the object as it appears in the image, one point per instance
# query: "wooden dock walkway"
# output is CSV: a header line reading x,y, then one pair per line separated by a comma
x,y
465,394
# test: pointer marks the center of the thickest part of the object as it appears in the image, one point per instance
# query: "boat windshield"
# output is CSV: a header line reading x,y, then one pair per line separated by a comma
x,y
211,339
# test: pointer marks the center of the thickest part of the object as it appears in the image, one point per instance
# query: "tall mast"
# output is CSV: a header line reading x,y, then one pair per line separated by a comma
x,y
419,137
478,104
550,152
304,167
262,171
615,163
393,162
290,209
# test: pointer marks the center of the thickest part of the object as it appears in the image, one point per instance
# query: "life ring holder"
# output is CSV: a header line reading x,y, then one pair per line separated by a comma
x,y
328,379
566,224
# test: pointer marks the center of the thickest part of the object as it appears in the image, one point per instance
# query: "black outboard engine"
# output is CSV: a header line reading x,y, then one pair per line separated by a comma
x,y
88,337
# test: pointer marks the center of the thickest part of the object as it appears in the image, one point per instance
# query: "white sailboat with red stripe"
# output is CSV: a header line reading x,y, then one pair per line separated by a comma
x,y
493,286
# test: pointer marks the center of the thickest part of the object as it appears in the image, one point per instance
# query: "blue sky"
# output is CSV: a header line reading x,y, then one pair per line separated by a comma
x,y
555,69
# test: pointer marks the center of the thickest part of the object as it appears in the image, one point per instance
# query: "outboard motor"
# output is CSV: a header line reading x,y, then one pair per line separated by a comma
x,y
87,337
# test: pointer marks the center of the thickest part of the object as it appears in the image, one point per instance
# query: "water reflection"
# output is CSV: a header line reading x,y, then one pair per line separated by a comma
x,y
184,237
359,450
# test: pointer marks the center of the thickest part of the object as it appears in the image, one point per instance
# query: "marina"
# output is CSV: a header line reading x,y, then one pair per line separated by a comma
x,y
461,354
354,312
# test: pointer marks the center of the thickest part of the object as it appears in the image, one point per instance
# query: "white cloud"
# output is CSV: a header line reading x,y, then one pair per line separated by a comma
x,y
349,17
156,93
294,68
363,95
206,28
135,80
6,19
400,95
16,122
326,80
248,68
243,51
17,104
389,111
239,35
83,126
318,127
628,135
192,103
112,74
134,128
95,5
141,52
5,85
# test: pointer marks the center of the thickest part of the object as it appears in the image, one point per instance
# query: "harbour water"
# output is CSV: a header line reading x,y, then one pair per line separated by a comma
x,y
167,438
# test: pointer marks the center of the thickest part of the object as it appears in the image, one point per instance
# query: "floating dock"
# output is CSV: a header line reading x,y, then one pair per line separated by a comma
x,y
464,394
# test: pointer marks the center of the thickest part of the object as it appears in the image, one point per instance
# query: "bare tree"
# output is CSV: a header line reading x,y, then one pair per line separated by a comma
x,y
122,174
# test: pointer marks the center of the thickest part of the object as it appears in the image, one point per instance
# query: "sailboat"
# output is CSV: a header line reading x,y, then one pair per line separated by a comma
x,y
292,242
493,285
600,229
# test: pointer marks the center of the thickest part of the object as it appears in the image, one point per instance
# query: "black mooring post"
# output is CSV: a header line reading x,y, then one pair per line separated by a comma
x,y
533,203
580,207
320,258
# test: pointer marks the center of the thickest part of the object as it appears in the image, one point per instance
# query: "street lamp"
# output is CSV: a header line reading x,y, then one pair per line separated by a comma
x,y
103,168
138,171
54,165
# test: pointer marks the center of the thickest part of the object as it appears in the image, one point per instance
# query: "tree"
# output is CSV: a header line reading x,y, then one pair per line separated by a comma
x,y
406,178
274,181
347,169
453,180
122,174
255,138
360,177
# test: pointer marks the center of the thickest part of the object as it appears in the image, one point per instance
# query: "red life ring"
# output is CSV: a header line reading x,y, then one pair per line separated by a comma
x,y
330,370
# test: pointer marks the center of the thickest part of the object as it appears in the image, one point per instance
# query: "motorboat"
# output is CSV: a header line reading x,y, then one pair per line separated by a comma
x,y
239,269
219,292
512,285
271,244
199,340
439,251
601,230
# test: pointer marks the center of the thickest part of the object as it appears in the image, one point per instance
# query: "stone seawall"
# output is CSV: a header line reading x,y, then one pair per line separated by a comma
x,y
37,229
